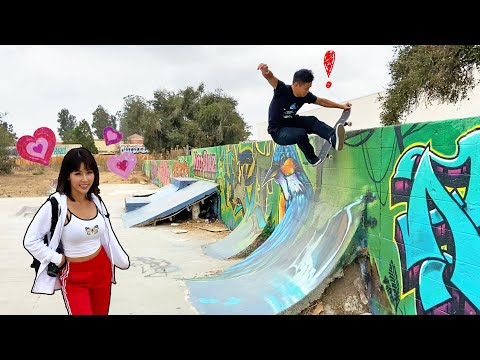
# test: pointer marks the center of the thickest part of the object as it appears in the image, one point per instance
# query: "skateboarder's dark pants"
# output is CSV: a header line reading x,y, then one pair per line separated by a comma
x,y
297,133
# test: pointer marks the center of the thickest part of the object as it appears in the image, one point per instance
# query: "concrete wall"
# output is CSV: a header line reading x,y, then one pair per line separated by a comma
x,y
420,229
162,171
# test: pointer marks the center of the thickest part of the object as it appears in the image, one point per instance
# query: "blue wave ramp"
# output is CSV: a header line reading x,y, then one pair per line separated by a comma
x,y
163,207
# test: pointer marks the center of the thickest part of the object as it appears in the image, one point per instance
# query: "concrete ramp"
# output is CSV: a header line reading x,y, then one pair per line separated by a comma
x,y
135,202
308,246
292,263
163,207
239,239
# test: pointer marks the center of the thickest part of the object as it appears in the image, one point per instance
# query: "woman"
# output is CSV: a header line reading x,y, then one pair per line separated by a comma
x,y
91,250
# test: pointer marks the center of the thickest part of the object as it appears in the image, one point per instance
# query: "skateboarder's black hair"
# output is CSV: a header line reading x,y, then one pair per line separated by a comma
x,y
303,76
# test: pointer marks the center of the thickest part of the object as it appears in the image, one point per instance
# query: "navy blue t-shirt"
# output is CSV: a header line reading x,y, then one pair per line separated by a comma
x,y
284,106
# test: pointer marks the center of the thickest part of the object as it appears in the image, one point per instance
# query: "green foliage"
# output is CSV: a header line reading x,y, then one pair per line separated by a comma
x,y
169,121
134,115
67,125
220,121
443,73
102,119
7,141
82,134
192,117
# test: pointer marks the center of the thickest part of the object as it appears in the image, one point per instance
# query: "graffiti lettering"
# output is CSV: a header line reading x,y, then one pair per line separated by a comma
x,y
59,150
133,148
437,235
180,169
204,165
152,267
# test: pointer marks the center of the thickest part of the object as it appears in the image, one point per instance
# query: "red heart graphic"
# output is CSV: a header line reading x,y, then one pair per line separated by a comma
x,y
122,165
39,147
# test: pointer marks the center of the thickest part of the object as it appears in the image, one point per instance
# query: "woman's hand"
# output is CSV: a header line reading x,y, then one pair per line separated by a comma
x,y
64,260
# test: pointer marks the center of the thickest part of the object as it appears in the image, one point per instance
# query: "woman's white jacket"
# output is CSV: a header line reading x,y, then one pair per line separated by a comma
x,y
40,225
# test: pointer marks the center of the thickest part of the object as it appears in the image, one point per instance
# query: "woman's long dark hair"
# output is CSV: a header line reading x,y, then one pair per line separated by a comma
x,y
72,162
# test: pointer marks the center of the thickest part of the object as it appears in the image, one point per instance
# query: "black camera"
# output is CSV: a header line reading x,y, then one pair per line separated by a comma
x,y
52,269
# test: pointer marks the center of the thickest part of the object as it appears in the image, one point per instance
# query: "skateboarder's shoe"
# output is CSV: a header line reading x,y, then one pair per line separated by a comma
x,y
338,137
315,161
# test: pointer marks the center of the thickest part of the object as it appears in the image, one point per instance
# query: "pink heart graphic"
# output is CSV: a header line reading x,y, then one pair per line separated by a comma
x,y
111,136
123,164
39,147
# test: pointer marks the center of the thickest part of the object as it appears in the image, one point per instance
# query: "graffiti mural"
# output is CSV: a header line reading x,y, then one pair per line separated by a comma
x,y
180,169
244,203
419,234
231,201
437,235
205,164
300,253
154,173
164,172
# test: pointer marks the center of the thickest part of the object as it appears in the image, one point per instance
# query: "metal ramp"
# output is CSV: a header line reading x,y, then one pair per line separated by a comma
x,y
165,206
135,202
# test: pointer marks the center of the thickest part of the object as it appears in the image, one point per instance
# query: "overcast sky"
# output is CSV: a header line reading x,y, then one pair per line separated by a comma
x,y
36,82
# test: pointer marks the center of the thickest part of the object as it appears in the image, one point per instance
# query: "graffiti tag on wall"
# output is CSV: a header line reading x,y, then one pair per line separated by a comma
x,y
180,169
204,165
134,148
438,233
63,149
164,173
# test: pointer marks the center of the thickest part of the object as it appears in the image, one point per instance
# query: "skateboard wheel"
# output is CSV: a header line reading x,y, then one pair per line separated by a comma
x,y
348,123
330,156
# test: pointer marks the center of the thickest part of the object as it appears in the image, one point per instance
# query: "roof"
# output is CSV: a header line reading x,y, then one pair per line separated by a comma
x,y
135,137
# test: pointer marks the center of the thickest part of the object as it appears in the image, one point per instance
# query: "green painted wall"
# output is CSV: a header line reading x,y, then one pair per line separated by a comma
x,y
421,229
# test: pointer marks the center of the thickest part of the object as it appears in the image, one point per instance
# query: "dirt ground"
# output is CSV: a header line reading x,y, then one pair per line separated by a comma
x,y
41,182
343,296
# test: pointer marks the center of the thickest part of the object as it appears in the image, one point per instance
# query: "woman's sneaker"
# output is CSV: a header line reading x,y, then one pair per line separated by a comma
x,y
338,137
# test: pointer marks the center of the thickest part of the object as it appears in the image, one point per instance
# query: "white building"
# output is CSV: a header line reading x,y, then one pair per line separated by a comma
x,y
366,112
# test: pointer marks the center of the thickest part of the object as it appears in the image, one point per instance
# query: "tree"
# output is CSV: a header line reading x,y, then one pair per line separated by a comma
x,y
171,111
102,119
193,117
132,118
219,120
116,119
67,124
82,134
445,73
7,142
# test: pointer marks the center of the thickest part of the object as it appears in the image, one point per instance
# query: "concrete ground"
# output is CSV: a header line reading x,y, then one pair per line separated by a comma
x,y
160,260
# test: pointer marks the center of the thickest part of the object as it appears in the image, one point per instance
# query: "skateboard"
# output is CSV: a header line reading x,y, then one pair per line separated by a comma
x,y
325,150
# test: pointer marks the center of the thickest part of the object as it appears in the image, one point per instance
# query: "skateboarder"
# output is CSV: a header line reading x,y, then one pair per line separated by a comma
x,y
287,128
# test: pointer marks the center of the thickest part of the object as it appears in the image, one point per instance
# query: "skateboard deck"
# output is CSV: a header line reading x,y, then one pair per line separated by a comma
x,y
325,150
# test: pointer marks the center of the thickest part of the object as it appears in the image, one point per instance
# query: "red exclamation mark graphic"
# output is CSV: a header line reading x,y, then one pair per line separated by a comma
x,y
328,61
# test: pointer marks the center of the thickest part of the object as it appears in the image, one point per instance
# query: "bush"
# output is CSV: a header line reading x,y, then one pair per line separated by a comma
x,y
7,141
6,164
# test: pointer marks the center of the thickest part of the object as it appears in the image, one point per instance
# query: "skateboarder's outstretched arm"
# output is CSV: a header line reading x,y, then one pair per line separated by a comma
x,y
267,74
332,104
